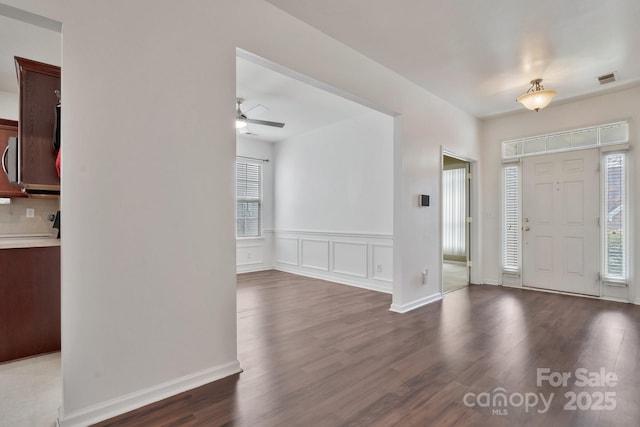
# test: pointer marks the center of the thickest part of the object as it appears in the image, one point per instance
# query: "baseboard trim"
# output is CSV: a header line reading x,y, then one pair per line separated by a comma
x,y
138,399
551,291
491,282
253,270
404,308
615,299
511,286
637,301
331,278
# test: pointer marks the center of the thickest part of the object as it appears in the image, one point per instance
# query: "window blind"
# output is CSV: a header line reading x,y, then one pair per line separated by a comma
x,y
454,212
248,198
511,220
615,230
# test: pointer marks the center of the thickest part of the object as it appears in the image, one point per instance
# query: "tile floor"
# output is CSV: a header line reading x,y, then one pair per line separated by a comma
x,y
455,275
30,391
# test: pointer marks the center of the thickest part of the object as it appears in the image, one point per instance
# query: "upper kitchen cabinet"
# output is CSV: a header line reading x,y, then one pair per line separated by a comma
x,y
29,98
38,84
8,128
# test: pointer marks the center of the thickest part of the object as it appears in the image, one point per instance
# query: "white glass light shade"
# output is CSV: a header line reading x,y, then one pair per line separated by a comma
x,y
537,99
240,123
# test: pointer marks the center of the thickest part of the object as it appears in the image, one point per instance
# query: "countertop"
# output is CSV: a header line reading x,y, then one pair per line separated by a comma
x,y
9,241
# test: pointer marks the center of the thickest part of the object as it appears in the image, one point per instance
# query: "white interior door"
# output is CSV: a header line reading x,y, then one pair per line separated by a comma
x,y
560,207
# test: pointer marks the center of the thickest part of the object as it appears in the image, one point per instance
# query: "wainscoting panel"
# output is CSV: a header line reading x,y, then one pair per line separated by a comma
x,y
356,259
315,254
382,264
286,250
250,255
254,254
350,258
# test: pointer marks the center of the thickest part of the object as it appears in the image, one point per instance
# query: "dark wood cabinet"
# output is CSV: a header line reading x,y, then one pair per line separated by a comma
x,y
38,85
8,128
29,301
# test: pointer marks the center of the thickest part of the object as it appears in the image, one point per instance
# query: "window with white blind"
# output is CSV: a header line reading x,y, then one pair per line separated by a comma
x,y
248,198
615,230
511,219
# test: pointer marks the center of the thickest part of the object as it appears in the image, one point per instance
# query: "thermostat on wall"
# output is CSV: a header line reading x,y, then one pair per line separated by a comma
x,y
424,200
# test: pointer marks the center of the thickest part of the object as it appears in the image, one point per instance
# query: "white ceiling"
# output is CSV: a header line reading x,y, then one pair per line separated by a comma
x,y
301,106
481,55
477,55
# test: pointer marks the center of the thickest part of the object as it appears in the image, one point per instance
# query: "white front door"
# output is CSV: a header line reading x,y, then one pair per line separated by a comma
x,y
560,209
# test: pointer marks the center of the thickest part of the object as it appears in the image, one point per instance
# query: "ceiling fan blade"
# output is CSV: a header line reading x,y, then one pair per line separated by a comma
x,y
265,123
256,110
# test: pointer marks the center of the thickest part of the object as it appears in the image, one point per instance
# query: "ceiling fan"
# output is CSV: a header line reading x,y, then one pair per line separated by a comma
x,y
242,120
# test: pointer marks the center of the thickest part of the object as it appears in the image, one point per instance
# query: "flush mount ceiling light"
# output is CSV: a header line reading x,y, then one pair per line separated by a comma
x,y
536,97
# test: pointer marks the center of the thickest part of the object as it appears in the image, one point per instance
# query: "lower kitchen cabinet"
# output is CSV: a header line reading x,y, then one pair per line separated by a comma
x,y
29,301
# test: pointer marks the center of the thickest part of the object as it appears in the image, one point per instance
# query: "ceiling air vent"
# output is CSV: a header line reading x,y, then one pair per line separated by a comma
x,y
607,78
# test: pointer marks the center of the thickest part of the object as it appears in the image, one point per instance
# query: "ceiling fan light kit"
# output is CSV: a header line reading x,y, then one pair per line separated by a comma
x,y
240,123
536,97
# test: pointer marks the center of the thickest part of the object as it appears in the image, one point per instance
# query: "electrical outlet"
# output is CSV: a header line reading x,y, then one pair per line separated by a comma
x,y
379,268
31,212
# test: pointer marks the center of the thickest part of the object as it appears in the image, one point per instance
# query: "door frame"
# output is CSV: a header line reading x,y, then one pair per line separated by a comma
x,y
472,231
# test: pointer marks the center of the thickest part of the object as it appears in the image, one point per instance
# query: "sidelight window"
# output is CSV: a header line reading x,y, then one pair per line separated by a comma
x,y
615,230
511,219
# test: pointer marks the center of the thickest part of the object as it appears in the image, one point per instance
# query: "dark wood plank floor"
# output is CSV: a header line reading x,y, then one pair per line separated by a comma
x,y
316,353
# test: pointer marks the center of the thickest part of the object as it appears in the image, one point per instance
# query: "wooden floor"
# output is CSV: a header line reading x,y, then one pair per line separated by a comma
x,y
321,354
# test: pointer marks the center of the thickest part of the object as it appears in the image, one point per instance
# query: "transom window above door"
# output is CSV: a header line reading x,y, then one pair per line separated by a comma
x,y
613,133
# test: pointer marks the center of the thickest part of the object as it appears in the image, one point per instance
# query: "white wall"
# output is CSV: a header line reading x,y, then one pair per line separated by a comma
x,y
337,178
148,284
334,202
9,105
52,9
607,108
148,265
255,254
